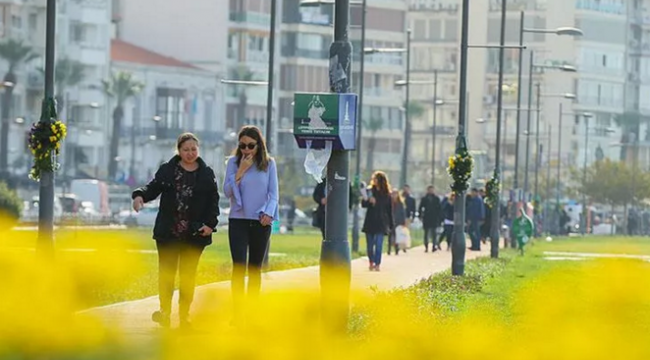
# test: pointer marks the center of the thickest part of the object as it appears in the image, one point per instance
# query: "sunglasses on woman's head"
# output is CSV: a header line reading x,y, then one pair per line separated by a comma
x,y
250,146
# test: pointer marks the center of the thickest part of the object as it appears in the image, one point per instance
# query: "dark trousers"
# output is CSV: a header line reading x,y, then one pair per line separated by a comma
x,y
392,243
248,243
173,256
447,232
474,230
430,233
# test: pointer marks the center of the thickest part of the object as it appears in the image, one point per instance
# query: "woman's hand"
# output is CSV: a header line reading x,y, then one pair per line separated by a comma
x,y
266,220
138,203
244,165
372,201
205,231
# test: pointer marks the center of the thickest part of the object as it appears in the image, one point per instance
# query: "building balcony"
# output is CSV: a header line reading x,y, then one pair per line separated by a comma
x,y
89,54
600,101
251,18
162,134
305,53
596,5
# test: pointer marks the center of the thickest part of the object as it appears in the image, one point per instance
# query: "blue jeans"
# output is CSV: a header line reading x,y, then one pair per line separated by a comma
x,y
375,243
475,234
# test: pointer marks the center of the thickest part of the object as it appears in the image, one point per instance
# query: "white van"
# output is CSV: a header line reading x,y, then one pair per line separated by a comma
x,y
94,191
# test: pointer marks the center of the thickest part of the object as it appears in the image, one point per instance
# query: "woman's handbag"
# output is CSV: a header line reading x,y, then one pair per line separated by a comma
x,y
402,237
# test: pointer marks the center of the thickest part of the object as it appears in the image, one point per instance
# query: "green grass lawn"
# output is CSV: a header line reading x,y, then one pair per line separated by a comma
x,y
500,282
123,264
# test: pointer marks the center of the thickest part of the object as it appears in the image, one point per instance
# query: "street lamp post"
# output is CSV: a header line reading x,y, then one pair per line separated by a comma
x,y
496,210
270,141
436,103
407,120
335,250
548,182
357,154
530,105
560,31
583,223
458,243
433,128
46,184
566,68
537,149
559,154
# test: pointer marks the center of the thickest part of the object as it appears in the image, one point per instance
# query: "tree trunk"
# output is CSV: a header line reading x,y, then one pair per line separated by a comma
x,y
5,124
118,114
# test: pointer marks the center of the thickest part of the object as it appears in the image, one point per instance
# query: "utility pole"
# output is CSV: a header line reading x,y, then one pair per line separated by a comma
x,y
538,152
530,106
335,250
518,127
496,210
48,115
357,166
407,120
270,140
458,243
433,129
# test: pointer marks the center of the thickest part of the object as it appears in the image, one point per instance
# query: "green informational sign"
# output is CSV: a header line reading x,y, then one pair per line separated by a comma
x,y
320,117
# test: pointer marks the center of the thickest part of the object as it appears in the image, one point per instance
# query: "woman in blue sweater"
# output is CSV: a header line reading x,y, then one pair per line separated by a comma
x,y
251,184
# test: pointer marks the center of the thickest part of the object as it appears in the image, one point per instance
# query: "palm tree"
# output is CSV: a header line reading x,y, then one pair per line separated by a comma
x,y
241,73
373,125
122,86
15,53
67,73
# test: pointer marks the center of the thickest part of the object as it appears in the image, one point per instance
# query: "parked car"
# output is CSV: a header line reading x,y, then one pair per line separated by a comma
x,y
145,218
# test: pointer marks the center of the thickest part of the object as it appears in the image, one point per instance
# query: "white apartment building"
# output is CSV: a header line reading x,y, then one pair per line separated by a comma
x,y
83,35
305,40
177,97
601,57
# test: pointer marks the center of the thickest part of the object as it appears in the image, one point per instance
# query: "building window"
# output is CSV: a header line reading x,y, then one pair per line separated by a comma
x,y
170,106
77,32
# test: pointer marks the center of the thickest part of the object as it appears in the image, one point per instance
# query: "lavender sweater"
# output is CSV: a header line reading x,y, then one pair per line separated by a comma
x,y
256,194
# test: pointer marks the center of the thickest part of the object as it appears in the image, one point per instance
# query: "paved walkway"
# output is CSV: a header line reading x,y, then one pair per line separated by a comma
x,y
212,301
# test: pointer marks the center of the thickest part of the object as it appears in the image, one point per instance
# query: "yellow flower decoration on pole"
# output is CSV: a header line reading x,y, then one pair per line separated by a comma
x,y
45,143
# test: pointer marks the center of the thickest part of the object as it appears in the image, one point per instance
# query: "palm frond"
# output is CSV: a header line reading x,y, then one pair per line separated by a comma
x,y
16,52
122,86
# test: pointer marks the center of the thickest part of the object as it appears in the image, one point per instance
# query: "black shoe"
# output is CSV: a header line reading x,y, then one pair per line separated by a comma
x,y
161,318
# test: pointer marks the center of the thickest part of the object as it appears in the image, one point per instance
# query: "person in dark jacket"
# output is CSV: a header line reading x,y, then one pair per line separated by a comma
x,y
475,215
409,203
188,215
399,219
379,217
448,219
320,198
431,216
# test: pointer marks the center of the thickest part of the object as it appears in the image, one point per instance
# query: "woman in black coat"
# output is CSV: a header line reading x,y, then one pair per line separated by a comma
x,y
379,217
188,215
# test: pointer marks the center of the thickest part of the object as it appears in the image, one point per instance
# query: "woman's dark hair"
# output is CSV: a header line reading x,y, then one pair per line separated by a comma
x,y
183,138
261,156
380,183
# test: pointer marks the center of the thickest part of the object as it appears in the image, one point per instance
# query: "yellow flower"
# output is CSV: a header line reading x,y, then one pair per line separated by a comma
x,y
39,146
58,145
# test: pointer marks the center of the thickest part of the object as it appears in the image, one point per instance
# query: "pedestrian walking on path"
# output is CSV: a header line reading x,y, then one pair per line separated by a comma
x,y
399,218
188,215
431,215
448,219
251,184
379,217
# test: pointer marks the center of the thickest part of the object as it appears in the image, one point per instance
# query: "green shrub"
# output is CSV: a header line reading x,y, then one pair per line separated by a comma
x,y
10,204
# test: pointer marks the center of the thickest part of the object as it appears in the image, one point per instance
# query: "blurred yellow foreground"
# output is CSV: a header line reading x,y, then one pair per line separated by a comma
x,y
599,310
